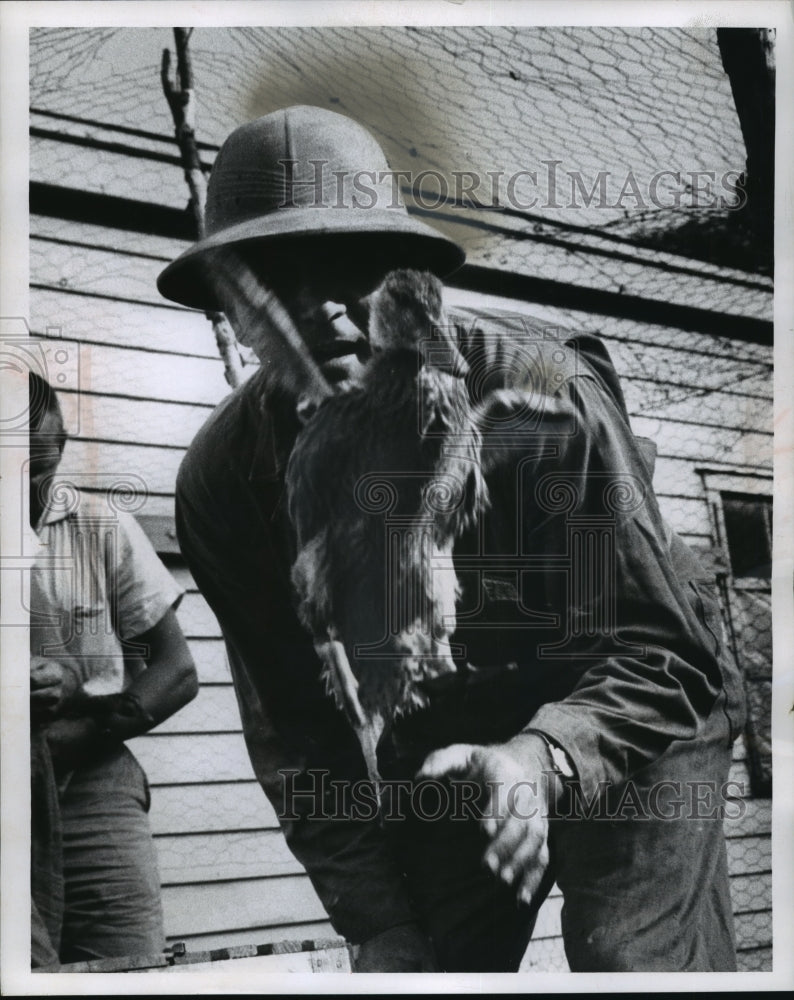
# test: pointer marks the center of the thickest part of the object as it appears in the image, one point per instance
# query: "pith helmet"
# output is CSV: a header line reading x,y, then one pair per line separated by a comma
x,y
304,172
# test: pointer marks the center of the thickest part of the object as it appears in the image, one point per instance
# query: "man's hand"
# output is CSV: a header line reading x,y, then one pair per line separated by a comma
x,y
399,949
515,811
51,684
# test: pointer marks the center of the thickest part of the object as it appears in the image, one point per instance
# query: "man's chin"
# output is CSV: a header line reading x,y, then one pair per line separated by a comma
x,y
344,372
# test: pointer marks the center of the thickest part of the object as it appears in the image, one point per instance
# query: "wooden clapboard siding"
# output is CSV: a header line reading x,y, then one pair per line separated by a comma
x,y
715,409
96,272
105,236
558,320
148,375
74,315
249,854
153,375
86,168
215,808
196,618
209,655
707,444
213,710
260,902
679,477
685,515
199,758
592,269
128,421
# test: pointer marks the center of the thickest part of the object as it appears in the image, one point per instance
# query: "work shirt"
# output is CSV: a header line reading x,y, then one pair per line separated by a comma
x,y
96,584
582,616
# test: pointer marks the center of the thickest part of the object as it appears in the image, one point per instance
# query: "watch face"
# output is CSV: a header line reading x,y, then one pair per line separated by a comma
x,y
561,761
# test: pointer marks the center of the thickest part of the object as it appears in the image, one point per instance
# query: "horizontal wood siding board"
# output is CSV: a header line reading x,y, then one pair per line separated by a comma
x,y
72,315
679,477
212,664
686,515
213,710
161,532
227,906
571,294
706,444
754,960
159,505
664,365
69,200
562,322
201,858
753,930
750,817
196,618
750,855
129,373
588,260
215,808
545,956
739,779
132,421
105,237
95,272
184,577
97,465
196,759
664,401
751,893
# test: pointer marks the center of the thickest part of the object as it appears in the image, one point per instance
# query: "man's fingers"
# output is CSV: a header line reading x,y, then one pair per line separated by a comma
x,y
509,798
526,855
451,760
533,877
516,844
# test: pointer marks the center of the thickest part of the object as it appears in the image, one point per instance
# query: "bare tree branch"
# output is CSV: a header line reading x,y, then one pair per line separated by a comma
x,y
181,100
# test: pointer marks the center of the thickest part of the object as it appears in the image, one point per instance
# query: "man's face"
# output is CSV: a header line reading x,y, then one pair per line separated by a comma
x,y
46,449
325,294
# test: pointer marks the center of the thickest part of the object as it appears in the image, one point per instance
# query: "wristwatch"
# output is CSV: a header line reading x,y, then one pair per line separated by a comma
x,y
560,760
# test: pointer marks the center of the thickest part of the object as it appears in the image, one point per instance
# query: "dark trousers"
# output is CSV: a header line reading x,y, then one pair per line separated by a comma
x,y
644,880
94,879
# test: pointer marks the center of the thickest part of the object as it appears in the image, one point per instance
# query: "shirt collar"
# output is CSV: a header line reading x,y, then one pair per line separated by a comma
x,y
63,499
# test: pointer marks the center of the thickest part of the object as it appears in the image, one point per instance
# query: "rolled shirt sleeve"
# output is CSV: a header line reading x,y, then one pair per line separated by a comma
x,y
142,588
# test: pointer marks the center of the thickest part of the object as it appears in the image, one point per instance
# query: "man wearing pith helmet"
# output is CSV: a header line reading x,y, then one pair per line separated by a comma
x,y
586,711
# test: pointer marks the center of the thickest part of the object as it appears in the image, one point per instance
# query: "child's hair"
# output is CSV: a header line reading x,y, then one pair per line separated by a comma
x,y
42,400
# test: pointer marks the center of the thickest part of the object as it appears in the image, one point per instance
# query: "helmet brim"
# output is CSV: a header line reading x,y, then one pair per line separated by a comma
x,y
401,240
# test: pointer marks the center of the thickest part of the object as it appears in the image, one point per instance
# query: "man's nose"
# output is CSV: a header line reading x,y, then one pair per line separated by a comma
x,y
335,313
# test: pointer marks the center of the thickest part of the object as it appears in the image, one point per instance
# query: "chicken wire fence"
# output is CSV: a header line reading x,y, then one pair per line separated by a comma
x,y
621,161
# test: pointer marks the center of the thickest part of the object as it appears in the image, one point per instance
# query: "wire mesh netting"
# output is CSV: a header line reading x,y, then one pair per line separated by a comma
x,y
620,159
